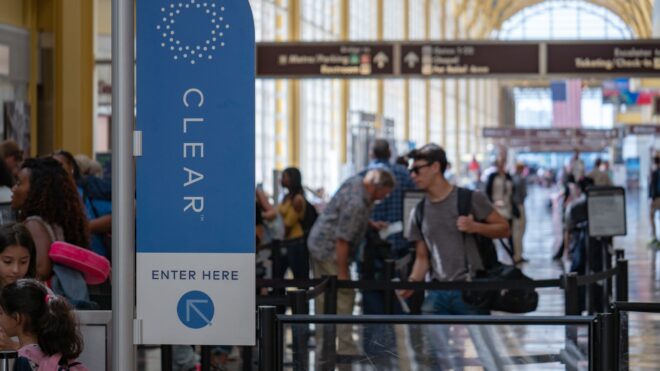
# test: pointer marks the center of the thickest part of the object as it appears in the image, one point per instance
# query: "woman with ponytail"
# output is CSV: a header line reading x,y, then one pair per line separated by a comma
x,y
45,326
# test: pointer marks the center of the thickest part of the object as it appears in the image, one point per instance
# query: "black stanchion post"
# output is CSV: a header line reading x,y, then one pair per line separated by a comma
x,y
329,351
330,296
607,285
206,358
298,302
268,338
571,307
605,342
388,295
166,357
622,280
621,319
299,305
246,356
571,302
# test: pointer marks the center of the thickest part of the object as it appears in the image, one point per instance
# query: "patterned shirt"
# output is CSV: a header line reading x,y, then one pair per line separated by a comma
x,y
346,217
391,209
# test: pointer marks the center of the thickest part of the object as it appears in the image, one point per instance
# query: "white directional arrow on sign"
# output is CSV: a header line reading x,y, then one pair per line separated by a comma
x,y
381,60
191,305
412,59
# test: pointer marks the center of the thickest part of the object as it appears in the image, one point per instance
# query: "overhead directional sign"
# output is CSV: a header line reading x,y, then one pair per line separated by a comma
x,y
327,59
461,59
550,133
627,58
195,230
469,59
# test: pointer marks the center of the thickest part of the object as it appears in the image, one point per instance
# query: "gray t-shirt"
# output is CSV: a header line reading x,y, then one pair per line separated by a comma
x,y
444,240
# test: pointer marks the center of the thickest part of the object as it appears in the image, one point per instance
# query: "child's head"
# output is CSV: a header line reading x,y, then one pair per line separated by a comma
x,y
26,308
17,254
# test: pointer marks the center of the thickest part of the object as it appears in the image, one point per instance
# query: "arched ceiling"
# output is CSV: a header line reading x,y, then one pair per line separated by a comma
x,y
637,14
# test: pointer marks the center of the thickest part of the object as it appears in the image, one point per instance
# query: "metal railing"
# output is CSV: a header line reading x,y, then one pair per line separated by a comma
x,y
271,335
308,289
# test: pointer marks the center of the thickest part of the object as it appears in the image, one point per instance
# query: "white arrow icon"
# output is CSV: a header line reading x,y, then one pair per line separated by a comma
x,y
191,304
412,59
381,59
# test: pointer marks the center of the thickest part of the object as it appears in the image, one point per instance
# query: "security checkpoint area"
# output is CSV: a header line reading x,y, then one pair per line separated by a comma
x,y
329,185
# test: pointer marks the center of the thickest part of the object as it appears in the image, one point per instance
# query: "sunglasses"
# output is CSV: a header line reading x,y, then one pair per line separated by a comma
x,y
415,169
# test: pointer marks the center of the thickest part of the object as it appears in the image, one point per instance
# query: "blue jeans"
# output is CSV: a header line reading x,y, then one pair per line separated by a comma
x,y
445,346
448,302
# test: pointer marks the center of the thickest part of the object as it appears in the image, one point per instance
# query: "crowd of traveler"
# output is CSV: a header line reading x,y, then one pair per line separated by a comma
x,y
364,223
42,201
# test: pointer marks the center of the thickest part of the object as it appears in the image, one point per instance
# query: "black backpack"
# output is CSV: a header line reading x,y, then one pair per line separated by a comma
x,y
309,218
512,301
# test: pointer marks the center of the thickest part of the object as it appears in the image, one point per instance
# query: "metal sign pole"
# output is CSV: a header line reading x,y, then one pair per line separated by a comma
x,y
123,185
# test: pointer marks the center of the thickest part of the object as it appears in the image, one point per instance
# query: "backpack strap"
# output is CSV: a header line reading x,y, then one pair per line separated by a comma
x,y
419,214
464,201
464,208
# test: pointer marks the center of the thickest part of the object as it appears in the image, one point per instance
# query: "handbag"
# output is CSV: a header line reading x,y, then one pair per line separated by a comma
x,y
274,230
523,300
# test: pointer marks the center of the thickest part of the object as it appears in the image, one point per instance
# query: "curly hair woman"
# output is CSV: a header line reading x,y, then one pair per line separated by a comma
x,y
48,203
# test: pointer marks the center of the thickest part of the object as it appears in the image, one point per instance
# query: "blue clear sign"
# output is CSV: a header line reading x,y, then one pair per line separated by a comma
x,y
195,309
195,108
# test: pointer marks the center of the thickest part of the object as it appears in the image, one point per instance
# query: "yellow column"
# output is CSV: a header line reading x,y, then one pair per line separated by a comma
x,y
468,116
74,75
281,103
479,116
294,91
406,83
31,21
380,84
457,124
427,85
345,88
443,36
457,105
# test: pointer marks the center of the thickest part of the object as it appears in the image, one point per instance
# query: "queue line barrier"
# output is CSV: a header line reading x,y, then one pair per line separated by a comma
x,y
308,289
271,337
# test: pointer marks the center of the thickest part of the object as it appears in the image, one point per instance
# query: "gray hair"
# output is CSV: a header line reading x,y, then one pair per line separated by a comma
x,y
381,178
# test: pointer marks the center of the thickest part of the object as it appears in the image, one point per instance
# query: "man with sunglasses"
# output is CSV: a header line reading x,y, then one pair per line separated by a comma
x,y
444,244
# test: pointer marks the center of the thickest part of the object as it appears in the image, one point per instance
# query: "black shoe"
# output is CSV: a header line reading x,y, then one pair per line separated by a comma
x,y
521,261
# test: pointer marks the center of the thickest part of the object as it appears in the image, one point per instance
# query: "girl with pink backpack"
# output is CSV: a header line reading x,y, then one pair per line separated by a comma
x,y
45,326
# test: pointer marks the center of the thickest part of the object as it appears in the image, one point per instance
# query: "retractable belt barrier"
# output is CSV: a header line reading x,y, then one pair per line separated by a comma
x,y
308,289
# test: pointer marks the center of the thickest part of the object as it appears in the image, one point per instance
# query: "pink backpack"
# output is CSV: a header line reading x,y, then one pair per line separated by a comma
x,y
33,353
93,266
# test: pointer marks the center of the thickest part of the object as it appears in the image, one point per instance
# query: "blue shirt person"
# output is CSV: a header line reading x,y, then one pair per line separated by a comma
x,y
390,210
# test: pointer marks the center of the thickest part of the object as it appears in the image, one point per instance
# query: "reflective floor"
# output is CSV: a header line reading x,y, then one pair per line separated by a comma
x,y
643,266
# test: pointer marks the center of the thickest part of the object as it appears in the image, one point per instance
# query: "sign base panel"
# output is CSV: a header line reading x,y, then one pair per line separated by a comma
x,y
200,299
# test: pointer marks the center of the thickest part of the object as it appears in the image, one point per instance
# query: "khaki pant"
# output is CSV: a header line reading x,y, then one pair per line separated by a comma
x,y
345,303
518,233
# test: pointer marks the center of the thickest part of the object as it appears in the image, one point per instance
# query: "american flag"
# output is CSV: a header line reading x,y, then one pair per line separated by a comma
x,y
566,103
